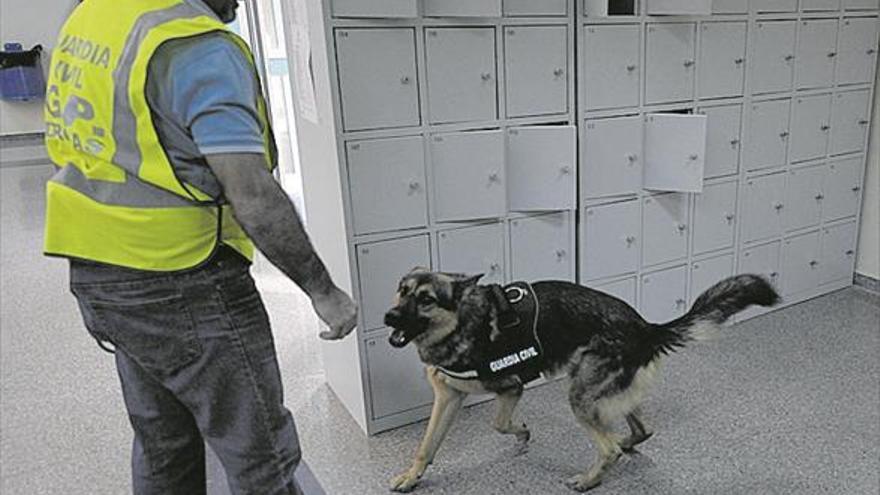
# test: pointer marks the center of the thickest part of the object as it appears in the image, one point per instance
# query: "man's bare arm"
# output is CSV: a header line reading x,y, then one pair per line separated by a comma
x,y
271,221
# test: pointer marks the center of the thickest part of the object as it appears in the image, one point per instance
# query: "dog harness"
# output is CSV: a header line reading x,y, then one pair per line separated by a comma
x,y
514,345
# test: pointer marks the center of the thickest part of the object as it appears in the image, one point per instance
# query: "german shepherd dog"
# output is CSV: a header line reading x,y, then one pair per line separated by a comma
x,y
609,352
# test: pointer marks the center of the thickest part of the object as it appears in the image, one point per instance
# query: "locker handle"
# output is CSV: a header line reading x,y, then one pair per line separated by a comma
x,y
778,206
565,170
689,62
493,177
630,239
856,188
681,227
405,80
783,134
560,253
734,142
863,122
632,157
414,186
814,263
789,57
774,274
825,127
871,51
729,217
494,267
739,61
820,197
631,67
559,72
850,252
486,76
694,157
832,54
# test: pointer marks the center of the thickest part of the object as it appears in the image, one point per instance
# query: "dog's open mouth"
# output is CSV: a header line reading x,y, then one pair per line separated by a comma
x,y
398,338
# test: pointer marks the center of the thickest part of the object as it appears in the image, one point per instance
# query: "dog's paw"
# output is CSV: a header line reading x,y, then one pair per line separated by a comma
x,y
581,483
405,482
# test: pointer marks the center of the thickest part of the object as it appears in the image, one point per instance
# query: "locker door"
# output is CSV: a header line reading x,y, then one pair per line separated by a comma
x,y
611,240
842,188
671,62
858,50
612,54
625,289
665,228
462,8
375,8
387,181
800,263
535,8
768,134
774,5
380,268
541,167
810,127
474,250
612,153
838,252
861,4
772,56
803,197
817,49
762,260
730,6
675,152
715,217
664,295
722,140
763,207
814,5
461,74
377,78
469,179
540,247
722,59
536,70
849,121
708,272
397,378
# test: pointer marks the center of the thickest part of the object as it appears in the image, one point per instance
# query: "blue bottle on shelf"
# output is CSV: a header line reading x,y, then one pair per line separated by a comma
x,y
21,73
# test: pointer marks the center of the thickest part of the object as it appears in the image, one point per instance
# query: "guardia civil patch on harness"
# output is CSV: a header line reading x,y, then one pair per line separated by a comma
x,y
515,348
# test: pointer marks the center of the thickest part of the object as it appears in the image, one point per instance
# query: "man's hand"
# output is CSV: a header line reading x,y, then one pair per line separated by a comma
x,y
338,311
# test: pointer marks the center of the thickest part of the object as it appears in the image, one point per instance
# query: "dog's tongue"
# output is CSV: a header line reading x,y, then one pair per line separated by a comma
x,y
397,338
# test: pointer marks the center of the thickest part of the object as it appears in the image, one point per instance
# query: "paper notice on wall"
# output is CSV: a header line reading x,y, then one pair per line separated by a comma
x,y
302,63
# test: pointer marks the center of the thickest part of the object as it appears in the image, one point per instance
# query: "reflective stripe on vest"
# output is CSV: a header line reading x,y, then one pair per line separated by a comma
x,y
116,198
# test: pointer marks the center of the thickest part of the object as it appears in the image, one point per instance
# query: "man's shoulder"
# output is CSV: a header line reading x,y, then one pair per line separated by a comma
x,y
178,54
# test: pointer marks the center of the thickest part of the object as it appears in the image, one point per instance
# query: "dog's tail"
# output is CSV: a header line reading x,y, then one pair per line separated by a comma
x,y
711,309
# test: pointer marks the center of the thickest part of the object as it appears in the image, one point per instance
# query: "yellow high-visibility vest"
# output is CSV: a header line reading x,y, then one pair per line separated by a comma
x,y
116,198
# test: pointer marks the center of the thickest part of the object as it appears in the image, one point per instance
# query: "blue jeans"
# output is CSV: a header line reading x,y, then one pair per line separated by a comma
x,y
196,359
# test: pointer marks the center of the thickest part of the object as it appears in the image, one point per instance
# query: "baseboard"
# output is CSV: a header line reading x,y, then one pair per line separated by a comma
x,y
23,150
868,283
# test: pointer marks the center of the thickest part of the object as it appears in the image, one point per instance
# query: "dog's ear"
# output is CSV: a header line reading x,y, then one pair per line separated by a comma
x,y
460,285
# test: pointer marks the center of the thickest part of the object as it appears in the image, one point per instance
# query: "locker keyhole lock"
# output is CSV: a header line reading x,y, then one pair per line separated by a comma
x,y
681,227
820,197
774,274
850,252
694,157
630,239
414,186
863,122
632,157
778,206
739,61
486,76
789,58
856,189
679,302
494,267
405,80
559,72
734,142
630,67
871,51
493,177
832,54
825,127
560,254
689,62
729,217
565,170
783,134
814,263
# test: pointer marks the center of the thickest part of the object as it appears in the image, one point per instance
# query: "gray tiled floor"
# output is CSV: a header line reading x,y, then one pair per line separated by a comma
x,y
785,403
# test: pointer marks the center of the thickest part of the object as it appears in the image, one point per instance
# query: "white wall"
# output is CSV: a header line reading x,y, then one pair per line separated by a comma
x,y
868,262
29,22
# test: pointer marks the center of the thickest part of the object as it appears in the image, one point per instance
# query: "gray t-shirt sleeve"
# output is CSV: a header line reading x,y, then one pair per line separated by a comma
x,y
213,91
